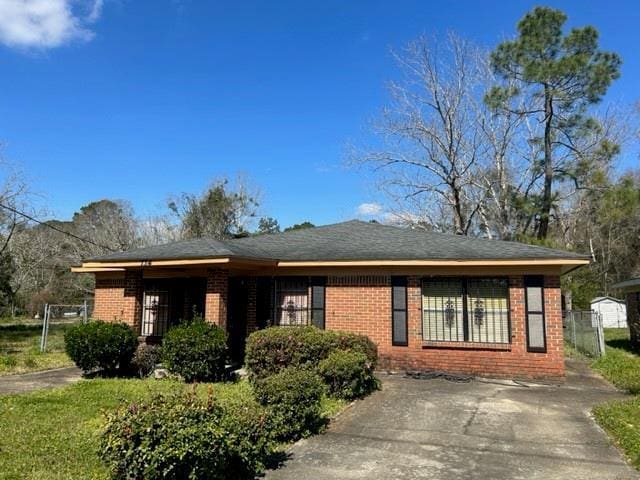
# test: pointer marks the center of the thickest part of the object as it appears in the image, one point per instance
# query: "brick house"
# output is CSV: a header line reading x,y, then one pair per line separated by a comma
x,y
430,301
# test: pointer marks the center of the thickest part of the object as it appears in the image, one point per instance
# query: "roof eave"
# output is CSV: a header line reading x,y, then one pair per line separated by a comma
x,y
567,262
175,262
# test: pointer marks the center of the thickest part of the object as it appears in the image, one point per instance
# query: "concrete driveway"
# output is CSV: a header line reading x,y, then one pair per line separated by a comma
x,y
438,429
27,382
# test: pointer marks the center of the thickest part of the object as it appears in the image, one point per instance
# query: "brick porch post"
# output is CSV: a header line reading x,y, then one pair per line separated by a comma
x,y
215,308
132,304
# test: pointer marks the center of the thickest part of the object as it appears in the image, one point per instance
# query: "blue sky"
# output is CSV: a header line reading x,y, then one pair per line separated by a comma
x,y
139,99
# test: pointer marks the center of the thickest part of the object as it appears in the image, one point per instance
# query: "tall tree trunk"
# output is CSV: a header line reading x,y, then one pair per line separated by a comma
x,y
459,221
545,210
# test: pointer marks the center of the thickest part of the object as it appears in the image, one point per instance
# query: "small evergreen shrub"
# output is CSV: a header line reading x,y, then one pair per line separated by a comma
x,y
292,398
347,374
272,349
146,358
196,351
184,437
354,342
103,345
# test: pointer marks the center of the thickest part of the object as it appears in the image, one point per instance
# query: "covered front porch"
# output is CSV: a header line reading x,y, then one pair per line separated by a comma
x,y
239,301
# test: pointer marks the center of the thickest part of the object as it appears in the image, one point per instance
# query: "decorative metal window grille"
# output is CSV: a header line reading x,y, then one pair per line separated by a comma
x,y
466,310
292,301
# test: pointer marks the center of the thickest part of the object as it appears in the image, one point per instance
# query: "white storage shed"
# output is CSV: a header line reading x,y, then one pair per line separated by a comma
x,y
612,310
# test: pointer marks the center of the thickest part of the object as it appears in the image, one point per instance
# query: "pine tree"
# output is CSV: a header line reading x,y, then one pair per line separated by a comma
x,y
554,77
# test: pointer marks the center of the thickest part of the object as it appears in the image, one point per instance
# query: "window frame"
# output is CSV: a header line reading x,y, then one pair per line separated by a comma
x,y
465,313
401,282
535,281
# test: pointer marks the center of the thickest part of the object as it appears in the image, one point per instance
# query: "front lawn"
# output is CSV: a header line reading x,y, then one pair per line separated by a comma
x,y
20,347
620,364
55,434
621,418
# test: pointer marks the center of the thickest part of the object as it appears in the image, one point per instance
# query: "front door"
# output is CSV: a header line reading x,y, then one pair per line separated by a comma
x,y
237,317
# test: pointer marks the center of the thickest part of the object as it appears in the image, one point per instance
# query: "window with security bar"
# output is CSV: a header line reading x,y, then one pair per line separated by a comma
x,y
466,310
155,312
292,301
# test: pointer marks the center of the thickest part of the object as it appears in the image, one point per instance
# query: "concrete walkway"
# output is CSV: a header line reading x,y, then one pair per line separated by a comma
x,y
28,382
438,429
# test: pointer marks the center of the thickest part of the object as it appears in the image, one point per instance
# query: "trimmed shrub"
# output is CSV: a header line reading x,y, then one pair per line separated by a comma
x,y
196,351
354,342
146,358
184,437
103,345
272,349
347,374
292,397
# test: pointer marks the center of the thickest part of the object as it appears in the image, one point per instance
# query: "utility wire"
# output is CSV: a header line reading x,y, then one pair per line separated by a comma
x,y
53,227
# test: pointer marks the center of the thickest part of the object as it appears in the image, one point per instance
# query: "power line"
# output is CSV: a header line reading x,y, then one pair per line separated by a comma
x,y
53,227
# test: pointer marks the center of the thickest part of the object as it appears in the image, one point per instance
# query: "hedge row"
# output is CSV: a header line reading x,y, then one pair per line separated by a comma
x,y
195,350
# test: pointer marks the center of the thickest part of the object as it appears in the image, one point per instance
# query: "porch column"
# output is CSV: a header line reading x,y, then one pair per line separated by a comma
x,y
132,305
215,308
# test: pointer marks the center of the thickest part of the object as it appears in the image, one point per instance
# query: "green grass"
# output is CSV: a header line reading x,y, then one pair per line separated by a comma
x,y
54,434
621,418
20,347
620,364
571,352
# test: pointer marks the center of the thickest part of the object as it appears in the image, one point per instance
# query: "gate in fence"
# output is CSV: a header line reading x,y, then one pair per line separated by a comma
x,y
57,318
584,331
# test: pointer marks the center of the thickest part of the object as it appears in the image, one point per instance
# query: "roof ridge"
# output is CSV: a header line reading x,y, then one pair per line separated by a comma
x,y
298,230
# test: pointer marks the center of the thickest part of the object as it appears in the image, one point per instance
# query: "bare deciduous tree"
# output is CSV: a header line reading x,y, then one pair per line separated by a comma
x,y
433,143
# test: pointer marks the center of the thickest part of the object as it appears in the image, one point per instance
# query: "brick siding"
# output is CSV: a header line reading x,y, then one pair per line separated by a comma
x,y
365,307
215,305
119,299
362,304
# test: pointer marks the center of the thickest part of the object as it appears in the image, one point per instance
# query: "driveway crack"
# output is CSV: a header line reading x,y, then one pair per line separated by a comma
x,y
474,413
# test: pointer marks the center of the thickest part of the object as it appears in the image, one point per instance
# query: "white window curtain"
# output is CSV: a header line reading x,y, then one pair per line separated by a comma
x,y
292,302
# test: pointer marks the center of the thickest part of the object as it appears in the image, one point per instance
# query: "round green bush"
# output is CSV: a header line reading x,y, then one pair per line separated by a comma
x,y
103,345
347,374
353,342
184,437
196,351
292,397
272,349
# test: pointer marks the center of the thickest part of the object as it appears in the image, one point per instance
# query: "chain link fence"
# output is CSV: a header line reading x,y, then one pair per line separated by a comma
x,y
584,331
58,318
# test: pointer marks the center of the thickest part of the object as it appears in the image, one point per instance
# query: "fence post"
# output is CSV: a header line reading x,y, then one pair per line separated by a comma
x,y
573,331
601,334
45,321
84,312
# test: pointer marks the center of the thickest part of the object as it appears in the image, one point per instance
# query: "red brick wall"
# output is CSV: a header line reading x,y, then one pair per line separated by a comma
x,y
119,299
215,307
363,305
